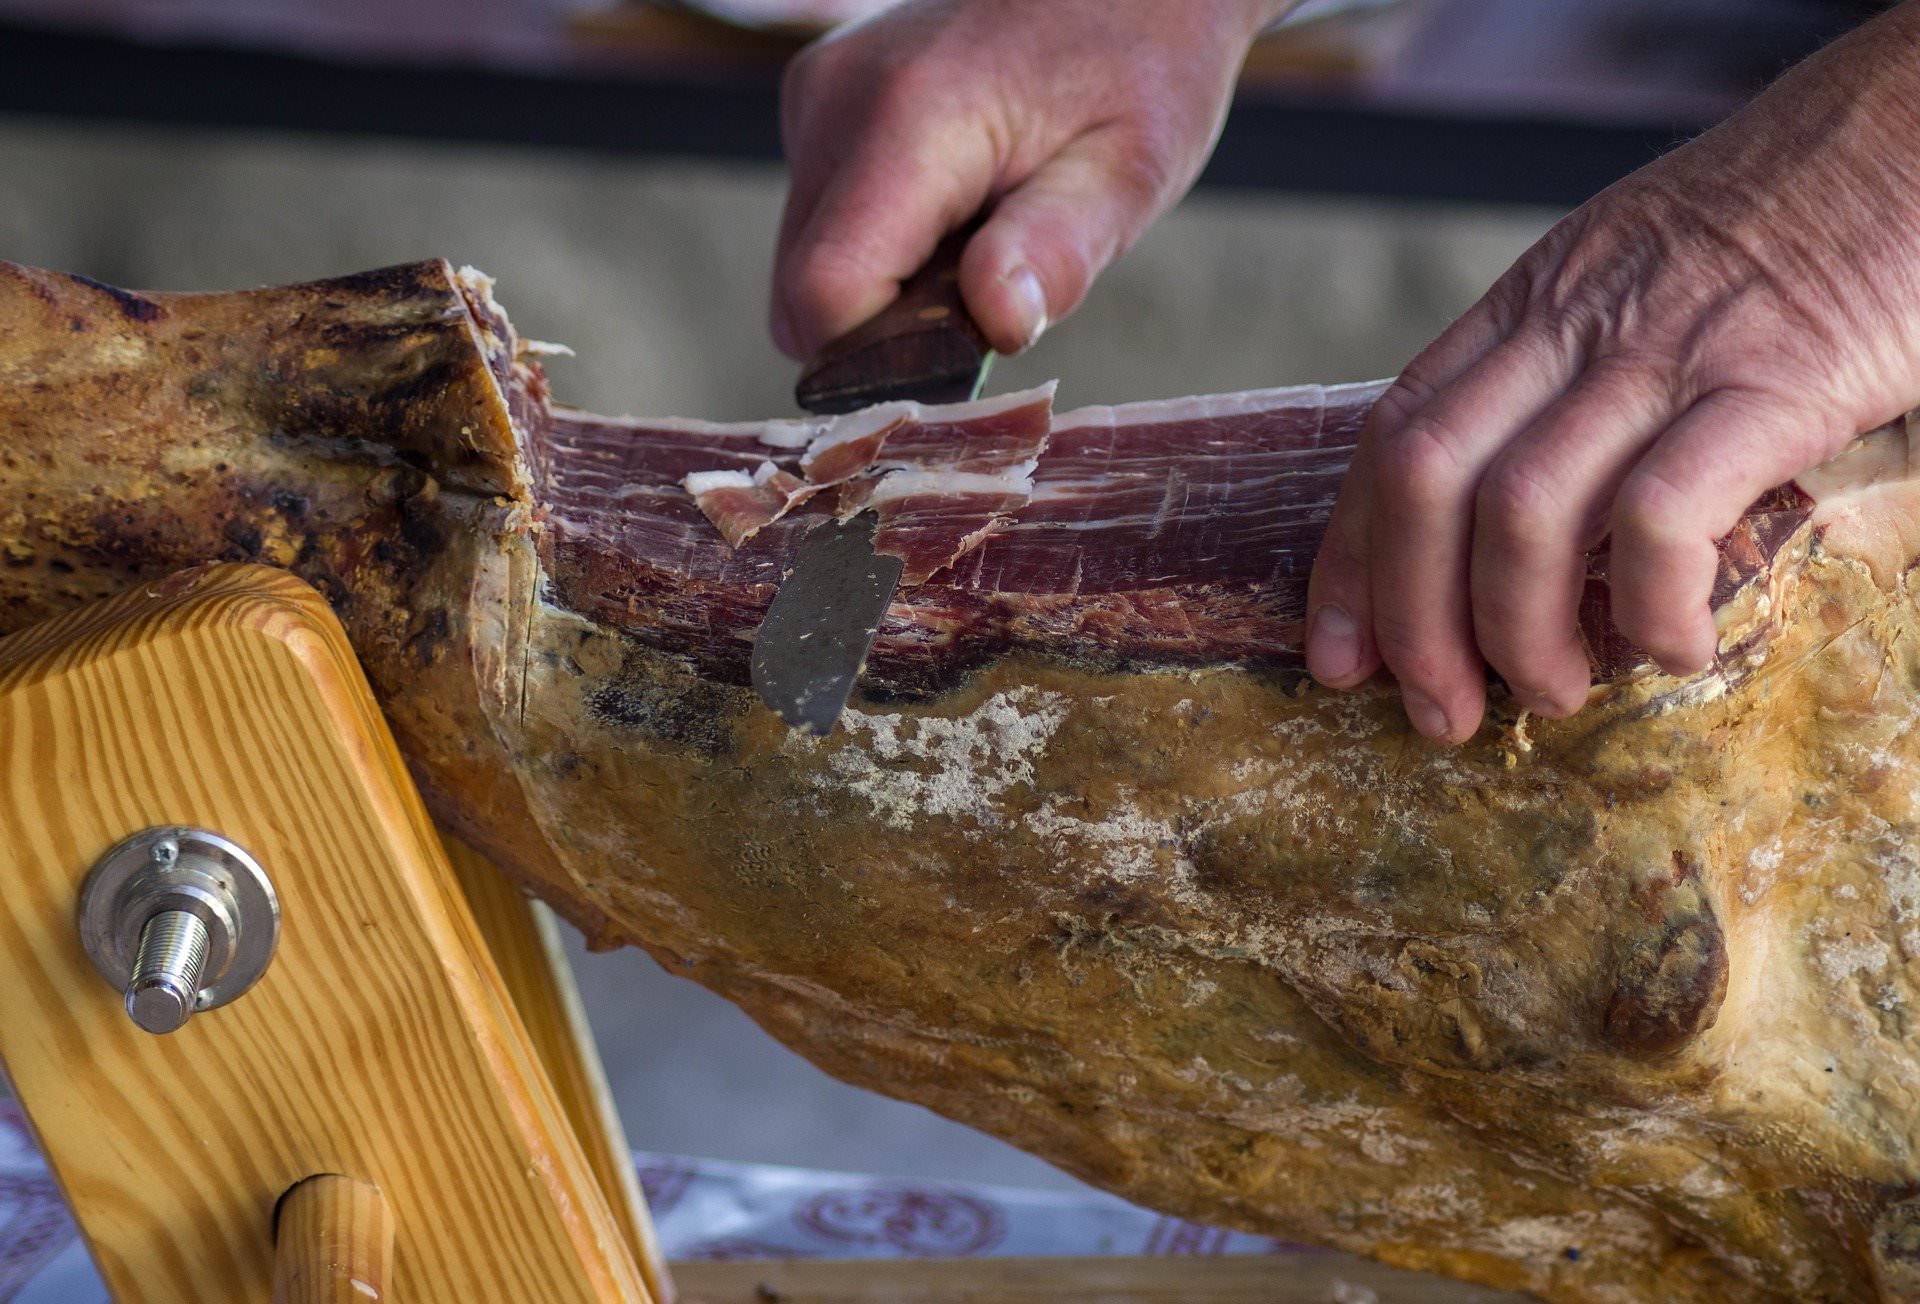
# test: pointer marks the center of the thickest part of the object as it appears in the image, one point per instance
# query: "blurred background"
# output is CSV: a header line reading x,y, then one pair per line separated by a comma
x,y
616,166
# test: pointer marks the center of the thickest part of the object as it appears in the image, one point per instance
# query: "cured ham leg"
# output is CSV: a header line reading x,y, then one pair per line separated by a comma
x,y
1615,1008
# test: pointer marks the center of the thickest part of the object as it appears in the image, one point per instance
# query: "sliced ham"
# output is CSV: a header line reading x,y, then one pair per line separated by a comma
x,y
742,505
851,444
941,477
930,519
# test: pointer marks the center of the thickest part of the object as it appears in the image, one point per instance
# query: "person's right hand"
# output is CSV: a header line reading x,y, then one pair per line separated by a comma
x,y
1078,121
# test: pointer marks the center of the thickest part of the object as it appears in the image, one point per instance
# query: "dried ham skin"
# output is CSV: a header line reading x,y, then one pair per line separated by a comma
x,y
1617,1007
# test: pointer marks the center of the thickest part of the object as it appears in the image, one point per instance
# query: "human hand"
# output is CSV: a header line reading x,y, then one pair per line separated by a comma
x,y
1710,327
1079,121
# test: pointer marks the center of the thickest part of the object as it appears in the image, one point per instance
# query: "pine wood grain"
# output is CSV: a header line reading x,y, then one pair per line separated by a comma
x,y
1252,1279
381,1044
525,942
333,1243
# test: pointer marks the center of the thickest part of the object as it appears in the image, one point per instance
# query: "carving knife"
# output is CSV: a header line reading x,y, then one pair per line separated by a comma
x,y
814,641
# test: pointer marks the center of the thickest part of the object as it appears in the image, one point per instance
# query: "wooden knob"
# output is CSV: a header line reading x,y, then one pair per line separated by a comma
x,y
333,1244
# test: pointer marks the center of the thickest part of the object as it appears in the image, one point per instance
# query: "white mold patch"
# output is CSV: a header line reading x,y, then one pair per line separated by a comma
x,y
911,769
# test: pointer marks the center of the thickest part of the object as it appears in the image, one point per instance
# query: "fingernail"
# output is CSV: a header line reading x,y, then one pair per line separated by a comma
x,y
1029,303
1424,712
1333,645
1537,703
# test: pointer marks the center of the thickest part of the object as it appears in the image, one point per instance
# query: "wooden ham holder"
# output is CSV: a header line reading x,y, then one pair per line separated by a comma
x,y
408,1093
406,1105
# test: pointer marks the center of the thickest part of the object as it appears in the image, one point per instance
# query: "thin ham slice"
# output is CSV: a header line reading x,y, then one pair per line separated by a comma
x,y
942,477
931,519
851,444
743,504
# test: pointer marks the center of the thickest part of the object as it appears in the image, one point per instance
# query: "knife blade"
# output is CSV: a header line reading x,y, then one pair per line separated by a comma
x,y
814,640
812,646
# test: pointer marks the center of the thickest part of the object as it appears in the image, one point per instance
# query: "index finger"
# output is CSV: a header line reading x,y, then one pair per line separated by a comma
x,y
876,221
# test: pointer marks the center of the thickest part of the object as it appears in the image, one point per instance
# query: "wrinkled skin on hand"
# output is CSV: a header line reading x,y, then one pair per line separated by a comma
x,y
1078,121
1706,329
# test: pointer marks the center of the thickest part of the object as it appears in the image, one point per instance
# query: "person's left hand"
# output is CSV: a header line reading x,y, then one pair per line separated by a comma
x,y
1707,329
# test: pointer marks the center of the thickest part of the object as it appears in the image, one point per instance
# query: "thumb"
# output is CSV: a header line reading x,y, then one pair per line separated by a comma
x,y
1038,254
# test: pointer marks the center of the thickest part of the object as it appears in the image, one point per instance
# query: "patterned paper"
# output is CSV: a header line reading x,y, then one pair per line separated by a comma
x,y
704,1209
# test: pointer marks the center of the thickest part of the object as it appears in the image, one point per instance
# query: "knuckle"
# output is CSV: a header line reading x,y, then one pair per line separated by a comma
x,y
1517,505
829,272
1420,469
1146,166
1411,391
1650,507
905,90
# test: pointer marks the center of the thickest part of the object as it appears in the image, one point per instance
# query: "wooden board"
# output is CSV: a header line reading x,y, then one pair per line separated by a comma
x,y
381,1044
1253,1279
525,942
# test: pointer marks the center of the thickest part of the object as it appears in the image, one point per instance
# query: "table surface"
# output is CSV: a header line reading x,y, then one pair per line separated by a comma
x,y
1485,99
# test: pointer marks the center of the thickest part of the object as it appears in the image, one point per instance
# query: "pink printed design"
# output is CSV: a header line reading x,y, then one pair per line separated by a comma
x,y
663,1181
1296,1248
738,1249
920,1221
1176,1238
34,1229
13,1122
34,1224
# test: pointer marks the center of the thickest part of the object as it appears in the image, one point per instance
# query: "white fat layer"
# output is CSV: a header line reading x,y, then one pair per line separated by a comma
x,y
763,473
1867,499
1015,480
706,482
792,434
954,413
669,425
1204,407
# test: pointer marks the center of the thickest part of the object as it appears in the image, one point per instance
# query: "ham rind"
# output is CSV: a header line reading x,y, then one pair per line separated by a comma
x,y
742,505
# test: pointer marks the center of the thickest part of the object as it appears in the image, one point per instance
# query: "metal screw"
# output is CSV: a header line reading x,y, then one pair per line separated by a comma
x,y
178,919
167,970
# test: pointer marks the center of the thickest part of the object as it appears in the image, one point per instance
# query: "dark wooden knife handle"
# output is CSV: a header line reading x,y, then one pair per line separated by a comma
x,y
924,345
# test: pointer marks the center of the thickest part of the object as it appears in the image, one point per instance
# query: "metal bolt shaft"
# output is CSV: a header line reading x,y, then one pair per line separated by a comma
x,y
167,971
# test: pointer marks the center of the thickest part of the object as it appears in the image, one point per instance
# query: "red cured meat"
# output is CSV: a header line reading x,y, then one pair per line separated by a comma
x,y
930,519
743,504
851,445
1175,533
980,456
